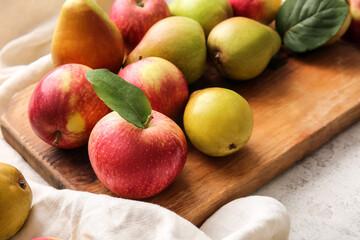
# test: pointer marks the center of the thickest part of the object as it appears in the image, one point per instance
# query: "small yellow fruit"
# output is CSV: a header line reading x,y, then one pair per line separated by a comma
x,y
218,121
15,200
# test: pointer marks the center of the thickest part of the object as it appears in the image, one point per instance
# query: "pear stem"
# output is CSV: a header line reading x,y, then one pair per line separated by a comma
x,y
58,134
149,118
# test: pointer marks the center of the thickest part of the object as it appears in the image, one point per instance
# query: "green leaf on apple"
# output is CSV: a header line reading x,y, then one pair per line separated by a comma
x,y
305,25
129,101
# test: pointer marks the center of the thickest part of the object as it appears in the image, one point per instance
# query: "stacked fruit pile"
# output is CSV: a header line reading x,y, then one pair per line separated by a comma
x,y
121,81
128,109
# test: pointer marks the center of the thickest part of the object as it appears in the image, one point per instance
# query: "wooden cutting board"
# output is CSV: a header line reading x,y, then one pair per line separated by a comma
x,y
299,102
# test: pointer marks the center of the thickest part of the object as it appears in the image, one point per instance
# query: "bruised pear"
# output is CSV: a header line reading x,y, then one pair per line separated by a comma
x,y
180,40
84,34
241,48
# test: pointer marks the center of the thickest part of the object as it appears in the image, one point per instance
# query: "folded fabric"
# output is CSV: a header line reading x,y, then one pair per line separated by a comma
x,y
249,218
26,29
81,215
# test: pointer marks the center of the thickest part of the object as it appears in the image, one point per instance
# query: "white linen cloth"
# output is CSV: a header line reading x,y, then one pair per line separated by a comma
x,y
26,28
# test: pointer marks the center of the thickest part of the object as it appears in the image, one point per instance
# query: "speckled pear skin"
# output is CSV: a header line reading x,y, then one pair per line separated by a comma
x,y
241,48
177,39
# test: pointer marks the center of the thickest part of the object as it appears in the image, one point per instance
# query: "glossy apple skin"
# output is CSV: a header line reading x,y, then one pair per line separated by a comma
x,y
137,163
263,11
352,34
65,101
135,17
162,82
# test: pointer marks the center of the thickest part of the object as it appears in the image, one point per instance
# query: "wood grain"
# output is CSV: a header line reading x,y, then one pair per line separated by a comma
x,y
299,103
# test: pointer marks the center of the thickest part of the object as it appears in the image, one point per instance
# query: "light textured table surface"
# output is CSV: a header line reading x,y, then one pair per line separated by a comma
x,y
322,191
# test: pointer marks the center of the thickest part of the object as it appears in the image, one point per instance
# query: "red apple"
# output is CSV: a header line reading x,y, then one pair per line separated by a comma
x,y
135,17
133,162
161,81
353,32
64,107
263,11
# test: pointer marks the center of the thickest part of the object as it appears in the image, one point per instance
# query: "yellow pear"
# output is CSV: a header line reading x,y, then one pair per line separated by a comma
x,y
86,35
218,121
15,200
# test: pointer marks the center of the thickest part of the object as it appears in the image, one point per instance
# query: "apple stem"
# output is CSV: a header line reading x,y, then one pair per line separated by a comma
x,y
149,118
58,134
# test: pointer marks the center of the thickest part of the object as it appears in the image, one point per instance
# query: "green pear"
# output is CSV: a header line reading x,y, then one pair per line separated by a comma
x,y
241,48
15,200
206,12
180,40
86,35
